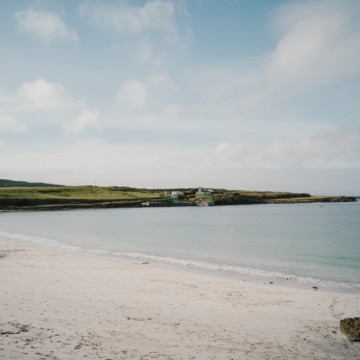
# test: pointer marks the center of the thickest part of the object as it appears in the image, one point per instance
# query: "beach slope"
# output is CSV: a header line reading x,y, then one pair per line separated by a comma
x,y
62,305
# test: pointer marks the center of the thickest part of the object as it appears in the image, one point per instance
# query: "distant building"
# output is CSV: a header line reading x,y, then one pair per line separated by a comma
x,y
202,191
177,192
173,197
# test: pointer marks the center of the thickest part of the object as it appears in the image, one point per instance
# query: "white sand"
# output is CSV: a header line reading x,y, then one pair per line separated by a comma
x,y
58,305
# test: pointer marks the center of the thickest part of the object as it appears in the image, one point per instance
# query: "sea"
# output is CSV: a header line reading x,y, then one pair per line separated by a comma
x,y
314,244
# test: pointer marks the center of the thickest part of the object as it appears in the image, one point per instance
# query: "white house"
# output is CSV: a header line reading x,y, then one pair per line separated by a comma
x,y
202,191
177,192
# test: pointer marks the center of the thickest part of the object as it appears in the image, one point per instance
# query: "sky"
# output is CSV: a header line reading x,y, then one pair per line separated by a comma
x,y
235,94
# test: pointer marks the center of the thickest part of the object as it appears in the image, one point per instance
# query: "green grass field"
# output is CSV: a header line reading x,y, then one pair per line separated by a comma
x,y
76,193
26,197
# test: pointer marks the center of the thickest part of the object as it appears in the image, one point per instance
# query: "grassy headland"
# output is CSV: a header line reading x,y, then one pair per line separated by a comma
x,y
54,197
58,197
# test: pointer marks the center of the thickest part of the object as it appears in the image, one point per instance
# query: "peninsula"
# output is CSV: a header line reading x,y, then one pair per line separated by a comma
x,y
40,196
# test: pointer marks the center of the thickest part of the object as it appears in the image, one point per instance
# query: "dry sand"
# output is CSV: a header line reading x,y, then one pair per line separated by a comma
x,y
59,305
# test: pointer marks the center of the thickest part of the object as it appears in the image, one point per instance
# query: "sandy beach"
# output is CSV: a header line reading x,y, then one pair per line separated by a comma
x,y
62,305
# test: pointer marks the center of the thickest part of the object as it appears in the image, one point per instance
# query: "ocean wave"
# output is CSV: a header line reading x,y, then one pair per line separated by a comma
x,y
232,269
37,240
195,264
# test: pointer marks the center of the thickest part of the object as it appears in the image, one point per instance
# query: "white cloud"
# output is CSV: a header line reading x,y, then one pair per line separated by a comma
x,y
226,152
320,42
133,94
152,16
157,80
150,31
142,95
45,25
8,103
42,95
146,54
324,149
172,110
10,124
169,117
318,48
87,119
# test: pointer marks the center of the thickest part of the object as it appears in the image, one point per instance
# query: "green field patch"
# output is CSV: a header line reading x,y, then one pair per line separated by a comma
x,y
54,197
74,193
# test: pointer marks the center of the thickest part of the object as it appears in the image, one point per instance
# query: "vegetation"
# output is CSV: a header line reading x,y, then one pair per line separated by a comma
x,y
4,182
76,193
47,197
60,197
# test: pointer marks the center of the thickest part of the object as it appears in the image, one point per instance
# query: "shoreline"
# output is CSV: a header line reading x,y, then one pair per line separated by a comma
x,y
236,273
13,205
59,304
114,205
257,276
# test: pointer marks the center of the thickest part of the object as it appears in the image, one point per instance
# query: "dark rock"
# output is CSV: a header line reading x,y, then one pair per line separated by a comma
x,y
350,327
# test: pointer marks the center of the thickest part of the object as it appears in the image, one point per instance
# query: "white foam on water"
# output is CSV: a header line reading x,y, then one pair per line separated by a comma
x,y
37,240
202,265
231,269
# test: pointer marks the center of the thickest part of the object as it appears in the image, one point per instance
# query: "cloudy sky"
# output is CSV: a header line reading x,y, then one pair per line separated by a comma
x,y
238,94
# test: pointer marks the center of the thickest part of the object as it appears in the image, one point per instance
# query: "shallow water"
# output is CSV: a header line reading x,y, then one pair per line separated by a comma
x,y
309,243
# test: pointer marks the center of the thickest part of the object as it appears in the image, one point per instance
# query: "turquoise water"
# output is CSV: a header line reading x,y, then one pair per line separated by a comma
x,y
307,243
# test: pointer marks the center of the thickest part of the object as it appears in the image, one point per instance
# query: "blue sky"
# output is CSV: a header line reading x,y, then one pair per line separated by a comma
x,y
235,94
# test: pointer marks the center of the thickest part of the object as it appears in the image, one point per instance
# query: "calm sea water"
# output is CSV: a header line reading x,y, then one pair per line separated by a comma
x,y
306,243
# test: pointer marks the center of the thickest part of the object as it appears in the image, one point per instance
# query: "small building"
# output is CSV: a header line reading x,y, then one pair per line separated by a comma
x,y
173,197
203,191
177,192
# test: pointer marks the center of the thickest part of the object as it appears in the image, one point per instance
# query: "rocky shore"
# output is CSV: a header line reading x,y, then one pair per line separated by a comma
x,y
47,205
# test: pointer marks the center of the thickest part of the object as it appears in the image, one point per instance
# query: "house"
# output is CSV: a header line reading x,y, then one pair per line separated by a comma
x,y
177,192
202,191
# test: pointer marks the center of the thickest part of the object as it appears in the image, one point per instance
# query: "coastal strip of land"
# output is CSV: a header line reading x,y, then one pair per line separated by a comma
x,y
40,196
64,305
